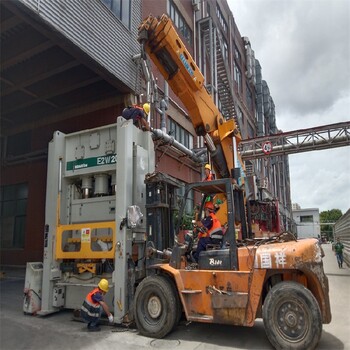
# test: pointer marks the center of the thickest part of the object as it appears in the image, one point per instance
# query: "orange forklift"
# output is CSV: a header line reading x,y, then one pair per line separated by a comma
x,y
278,278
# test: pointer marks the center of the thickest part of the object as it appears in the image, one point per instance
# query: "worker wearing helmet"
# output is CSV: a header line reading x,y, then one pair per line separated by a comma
x,y
138,115
146,108
208,174
212,228
93,304
208,177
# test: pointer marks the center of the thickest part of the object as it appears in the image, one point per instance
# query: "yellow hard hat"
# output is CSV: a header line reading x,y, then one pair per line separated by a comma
x,y
207,166
146,107
103,285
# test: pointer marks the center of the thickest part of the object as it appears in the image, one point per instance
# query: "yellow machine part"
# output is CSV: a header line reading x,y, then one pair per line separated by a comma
x,y
90,267
85,251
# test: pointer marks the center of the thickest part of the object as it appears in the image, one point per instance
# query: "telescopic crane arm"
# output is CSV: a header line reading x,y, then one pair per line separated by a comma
x,y
163,45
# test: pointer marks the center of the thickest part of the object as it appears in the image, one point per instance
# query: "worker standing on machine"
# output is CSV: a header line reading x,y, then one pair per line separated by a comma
x,y
92,307
210,230
138,115
208,174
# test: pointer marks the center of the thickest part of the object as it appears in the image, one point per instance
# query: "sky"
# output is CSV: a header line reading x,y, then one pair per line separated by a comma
x,y
303,47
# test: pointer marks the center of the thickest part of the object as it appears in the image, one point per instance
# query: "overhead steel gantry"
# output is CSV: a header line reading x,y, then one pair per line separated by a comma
x,y
303,140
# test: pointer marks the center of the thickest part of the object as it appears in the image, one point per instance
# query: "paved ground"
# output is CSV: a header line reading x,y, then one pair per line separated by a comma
x,y
58,331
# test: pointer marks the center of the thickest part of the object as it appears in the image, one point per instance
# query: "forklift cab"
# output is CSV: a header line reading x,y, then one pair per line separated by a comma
x,y
224,257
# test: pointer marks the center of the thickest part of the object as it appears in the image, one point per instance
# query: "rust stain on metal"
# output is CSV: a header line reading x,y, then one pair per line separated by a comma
x,y
229,301
233,316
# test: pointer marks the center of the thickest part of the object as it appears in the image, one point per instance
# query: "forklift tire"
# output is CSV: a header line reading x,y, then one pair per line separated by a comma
x,y
178,305
156,306
292,317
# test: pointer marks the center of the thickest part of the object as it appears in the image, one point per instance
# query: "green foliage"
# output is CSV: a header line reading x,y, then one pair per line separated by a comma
x,y
186,222
329,216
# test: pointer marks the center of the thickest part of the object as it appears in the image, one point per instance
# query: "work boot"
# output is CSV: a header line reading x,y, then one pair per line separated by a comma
x,y
93,328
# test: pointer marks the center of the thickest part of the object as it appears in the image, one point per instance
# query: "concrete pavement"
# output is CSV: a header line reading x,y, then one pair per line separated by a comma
x,y
336,335
58,331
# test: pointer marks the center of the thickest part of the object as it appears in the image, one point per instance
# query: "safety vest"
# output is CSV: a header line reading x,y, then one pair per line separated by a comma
x,y
215,231
210,177
90,310
138,107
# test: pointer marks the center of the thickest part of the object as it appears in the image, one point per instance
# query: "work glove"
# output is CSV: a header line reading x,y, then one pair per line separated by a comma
x,y
110,318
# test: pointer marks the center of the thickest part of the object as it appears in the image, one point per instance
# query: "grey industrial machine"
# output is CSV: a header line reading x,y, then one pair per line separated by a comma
x,y
95,220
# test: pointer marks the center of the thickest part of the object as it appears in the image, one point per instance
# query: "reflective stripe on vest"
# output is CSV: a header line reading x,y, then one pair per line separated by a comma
x,y
214,231
89,307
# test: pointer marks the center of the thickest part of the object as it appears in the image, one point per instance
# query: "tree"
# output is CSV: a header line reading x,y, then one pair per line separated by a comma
x,y
329,216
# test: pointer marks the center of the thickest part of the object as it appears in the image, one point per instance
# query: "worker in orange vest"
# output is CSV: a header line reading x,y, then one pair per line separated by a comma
x,y
93,304
208,174
211,230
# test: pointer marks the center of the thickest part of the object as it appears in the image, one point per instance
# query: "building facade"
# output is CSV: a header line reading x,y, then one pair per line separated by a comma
x,y
307,222
74,65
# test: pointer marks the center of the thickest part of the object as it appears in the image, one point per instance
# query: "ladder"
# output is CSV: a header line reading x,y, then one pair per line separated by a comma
x,y
211,47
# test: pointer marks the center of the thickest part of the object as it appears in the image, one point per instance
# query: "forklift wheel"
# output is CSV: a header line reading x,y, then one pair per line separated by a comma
x,y
156,306
292,317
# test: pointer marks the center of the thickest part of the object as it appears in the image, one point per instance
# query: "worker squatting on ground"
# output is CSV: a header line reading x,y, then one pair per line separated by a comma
x,y
208,174
93,304
212,228
138,115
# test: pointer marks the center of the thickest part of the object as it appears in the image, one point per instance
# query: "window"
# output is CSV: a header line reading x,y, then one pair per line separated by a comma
x,y
179,22
221,19
307,218
13,209
249,98
121,8
237,75
237,55
180,134
239,117
225,49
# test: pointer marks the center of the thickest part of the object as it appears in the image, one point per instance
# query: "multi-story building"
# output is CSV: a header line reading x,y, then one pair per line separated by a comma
x,y
74,65
295,206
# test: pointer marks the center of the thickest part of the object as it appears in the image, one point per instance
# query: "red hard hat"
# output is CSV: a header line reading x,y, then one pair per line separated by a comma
x,y
209,205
